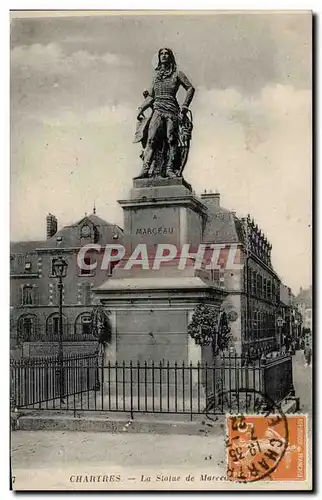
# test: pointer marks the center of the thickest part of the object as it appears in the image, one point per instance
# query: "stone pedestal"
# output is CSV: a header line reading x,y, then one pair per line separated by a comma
x,y
162,211
150,309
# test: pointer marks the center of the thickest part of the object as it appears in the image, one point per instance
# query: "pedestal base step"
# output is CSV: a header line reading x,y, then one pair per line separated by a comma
x,y
153,404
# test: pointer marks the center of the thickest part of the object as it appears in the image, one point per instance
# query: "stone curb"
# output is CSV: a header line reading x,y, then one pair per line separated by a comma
x,y
114,425
122,423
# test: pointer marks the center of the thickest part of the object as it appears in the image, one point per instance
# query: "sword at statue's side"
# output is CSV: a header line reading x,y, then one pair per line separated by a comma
x,y
186,126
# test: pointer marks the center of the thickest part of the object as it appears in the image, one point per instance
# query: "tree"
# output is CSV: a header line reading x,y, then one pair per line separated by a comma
x,y
101,326
208,327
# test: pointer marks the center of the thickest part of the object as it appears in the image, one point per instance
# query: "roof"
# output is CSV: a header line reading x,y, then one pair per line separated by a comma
x,y
97,221
304,297
222,226
24,246
70,236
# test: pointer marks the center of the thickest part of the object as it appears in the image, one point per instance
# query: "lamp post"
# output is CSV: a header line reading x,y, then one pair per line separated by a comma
x,y
60,272
296,322
280,323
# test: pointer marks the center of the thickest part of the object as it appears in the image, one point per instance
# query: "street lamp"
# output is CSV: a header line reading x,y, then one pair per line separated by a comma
x,y
296,322
60,272
280,323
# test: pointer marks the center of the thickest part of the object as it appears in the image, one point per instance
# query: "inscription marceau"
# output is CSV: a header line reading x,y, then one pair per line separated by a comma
x,y
154,230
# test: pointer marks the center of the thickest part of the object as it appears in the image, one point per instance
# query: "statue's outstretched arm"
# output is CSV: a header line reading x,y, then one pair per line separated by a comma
x,y
187,85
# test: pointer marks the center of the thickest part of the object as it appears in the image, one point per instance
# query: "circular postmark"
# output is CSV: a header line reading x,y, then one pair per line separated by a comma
x,y
257,436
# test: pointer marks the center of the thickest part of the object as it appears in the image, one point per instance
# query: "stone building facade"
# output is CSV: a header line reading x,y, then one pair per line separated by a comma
x,y
34,293
304,303
247,275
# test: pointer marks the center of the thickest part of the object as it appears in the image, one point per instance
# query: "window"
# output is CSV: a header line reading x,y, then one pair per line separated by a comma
x,y
27,295
269,290
27,327
254,283
259,285
255,325
86,325
52,327
265,289
83,324
86,272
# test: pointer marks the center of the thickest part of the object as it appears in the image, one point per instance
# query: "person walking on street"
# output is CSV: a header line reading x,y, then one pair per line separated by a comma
x,y
307,354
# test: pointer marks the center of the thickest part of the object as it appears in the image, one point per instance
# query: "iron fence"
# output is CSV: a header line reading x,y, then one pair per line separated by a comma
x,y
231,384
69,335
35,381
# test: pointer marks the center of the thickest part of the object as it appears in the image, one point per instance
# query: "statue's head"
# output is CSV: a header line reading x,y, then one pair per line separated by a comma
x,y
166,57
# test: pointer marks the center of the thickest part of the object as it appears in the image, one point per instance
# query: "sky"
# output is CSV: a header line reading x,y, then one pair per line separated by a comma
x,y
76,84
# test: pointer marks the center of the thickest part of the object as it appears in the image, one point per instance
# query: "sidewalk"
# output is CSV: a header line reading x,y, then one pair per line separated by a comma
x,y
55,448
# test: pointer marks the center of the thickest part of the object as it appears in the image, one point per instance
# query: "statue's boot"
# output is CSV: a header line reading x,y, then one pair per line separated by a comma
x,y
170,172
144,172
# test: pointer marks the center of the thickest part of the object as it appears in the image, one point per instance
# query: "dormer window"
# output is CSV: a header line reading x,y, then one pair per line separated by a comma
x,y
28,266
86,232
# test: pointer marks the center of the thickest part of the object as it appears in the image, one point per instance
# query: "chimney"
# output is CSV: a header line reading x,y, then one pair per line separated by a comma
x,y
211,199
51,224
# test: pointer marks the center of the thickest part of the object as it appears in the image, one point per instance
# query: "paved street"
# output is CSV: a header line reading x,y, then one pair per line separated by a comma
x,y
54,459
302,378
56,448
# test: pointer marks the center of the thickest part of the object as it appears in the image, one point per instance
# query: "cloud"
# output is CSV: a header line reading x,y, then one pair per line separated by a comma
x,y
51,59
260,115
256,150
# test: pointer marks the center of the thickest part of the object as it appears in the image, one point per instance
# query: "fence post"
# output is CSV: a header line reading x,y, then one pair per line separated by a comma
x,y
131,389
262,366
292,389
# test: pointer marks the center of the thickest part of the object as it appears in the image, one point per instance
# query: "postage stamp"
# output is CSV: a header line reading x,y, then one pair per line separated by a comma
x,y
270,447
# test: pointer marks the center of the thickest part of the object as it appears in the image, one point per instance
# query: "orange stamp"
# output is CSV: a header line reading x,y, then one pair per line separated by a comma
x,y
266,447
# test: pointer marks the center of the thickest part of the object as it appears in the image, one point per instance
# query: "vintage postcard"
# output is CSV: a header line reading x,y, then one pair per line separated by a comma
x,y
161,333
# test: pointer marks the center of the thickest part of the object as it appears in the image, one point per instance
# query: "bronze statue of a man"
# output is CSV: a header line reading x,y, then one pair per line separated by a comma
x,y
166,128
